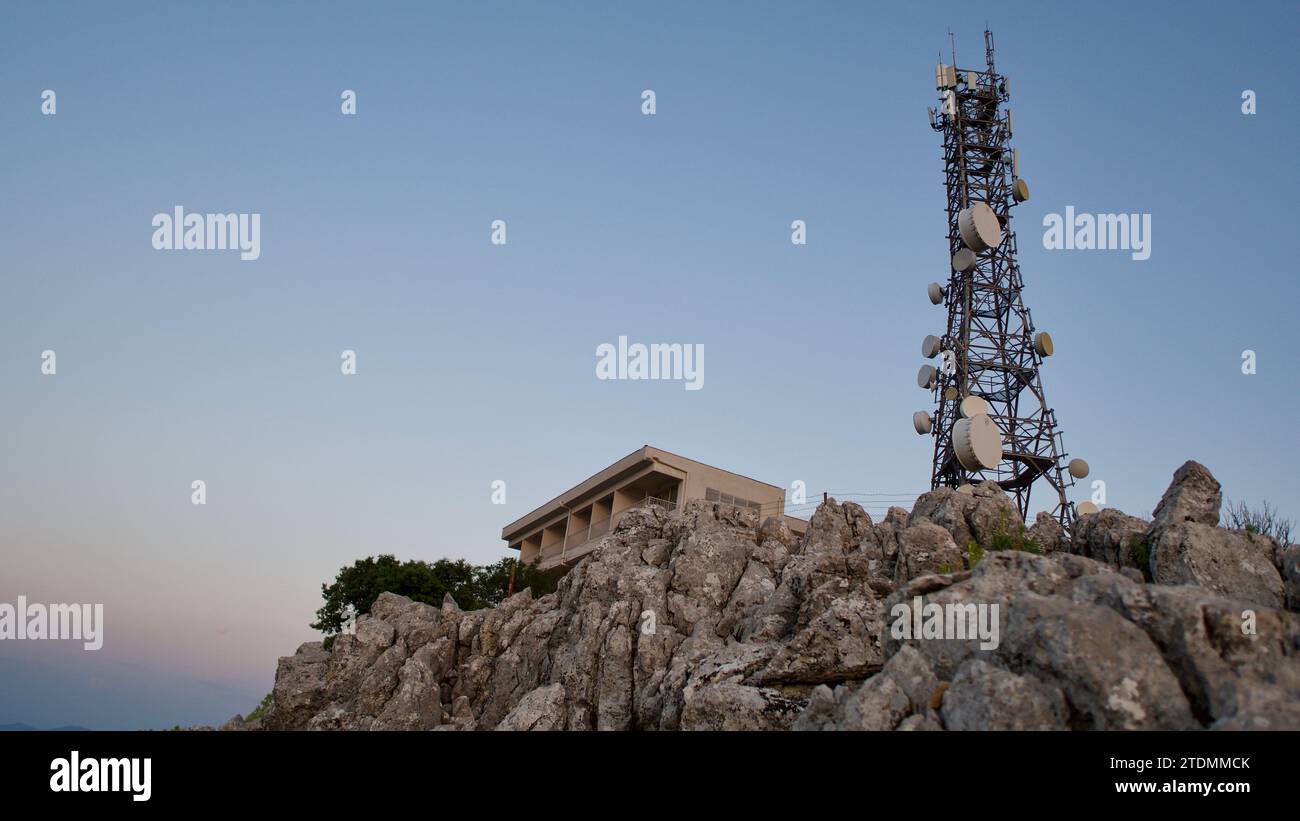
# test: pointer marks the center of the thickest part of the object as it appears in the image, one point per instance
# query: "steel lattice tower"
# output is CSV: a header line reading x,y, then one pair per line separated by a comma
x,y
990,348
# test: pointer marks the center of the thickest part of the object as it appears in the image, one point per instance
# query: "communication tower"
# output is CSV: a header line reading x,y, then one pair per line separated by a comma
x,y
991,418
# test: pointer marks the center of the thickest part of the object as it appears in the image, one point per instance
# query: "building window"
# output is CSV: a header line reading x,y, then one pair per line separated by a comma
x,y
714,495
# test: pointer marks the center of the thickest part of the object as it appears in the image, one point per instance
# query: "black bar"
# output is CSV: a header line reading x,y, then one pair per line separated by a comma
x,y
508,772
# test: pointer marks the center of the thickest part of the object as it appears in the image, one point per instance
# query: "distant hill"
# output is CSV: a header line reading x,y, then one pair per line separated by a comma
x,y
30,728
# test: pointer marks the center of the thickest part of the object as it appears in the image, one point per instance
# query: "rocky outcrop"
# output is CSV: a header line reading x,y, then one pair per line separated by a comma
x,y
1113,538
1288,562
1233,563
1186,546
700,619
1048,533
982,515
985,697
707,618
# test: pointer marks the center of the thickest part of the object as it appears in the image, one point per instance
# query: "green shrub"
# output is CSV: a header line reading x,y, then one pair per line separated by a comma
x,y
1264,520
1018,538
260,710
1141,555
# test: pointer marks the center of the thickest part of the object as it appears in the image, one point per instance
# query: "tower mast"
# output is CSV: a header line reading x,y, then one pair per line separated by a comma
x,y
991,417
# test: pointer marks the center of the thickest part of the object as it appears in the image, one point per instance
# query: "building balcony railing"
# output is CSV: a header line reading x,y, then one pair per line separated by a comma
x,y
577,537
580,536
649,501
600,527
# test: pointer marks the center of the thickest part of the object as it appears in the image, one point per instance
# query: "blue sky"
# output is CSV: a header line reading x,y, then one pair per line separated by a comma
x,y
476,362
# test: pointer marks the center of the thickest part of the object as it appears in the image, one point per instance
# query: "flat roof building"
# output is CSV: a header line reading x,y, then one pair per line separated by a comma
x,y
570,525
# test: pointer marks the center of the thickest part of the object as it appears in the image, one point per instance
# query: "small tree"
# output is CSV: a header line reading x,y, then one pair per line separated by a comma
x,y
1265,521
541,581
355,588
261,709
473,587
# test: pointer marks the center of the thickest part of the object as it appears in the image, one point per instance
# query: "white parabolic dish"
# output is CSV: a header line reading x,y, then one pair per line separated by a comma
x,y
963,260
977,442
930,346
925,377
973,406
979,227
921,421
1043,343
935,292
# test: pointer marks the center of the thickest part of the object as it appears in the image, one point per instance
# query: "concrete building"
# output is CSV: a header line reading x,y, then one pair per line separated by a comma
x,y
569,526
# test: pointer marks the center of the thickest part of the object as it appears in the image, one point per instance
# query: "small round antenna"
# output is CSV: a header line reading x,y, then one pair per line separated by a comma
x,y
930,346
935,292
926,377
1084,509
1043,343
963,260
1078,468
922,422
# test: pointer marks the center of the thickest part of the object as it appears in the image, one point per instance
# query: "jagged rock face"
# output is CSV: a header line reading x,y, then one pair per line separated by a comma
x,y
1047,531
1230,562
978,516
1187,547
1288,561
699,619
706,619
985,697
1081,647
1193,496
1113,538
927,548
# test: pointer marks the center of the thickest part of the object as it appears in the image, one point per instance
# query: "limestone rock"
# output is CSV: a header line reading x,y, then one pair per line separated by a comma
x,y
541,709
1288,559
984,697
1234,564
299,687
730,706
1047,532
1186,547
977,516
903,688
1193,496
1110,536
927,548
